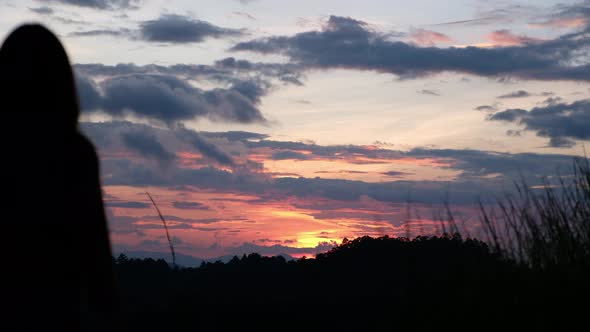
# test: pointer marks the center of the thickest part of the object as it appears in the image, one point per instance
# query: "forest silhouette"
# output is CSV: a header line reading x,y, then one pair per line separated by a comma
x,y
375,284
532,273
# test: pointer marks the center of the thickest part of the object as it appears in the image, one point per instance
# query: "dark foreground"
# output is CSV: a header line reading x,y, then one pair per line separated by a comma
x,y
380,284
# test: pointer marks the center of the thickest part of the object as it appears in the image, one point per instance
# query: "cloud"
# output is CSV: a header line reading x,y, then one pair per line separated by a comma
x,y
167,99
475,21
229,71
426,37
146,140
568,16
233,136
99,4
182,29
476,171
244,15
190,206
499,15
42,10
513,133
394,173
128,204
428,92
560,122
289,155
148,146
101,32
506,38
348,43
476,163
486,108
552,100
515,94
563,22
174,29
245,2
207,148
165,93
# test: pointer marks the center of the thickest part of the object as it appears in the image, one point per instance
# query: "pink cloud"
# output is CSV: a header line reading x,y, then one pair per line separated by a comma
x,y
425,37
507,38
570,22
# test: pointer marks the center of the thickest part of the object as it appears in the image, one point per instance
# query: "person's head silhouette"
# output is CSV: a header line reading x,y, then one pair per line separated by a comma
x,y
36,80
53,181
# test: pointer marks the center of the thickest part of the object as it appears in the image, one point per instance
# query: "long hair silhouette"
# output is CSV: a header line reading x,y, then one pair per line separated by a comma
x,y
55,235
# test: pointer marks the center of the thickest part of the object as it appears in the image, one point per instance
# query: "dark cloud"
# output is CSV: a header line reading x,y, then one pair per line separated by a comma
x,y
233,136
341,172
100,32
146,140
88,93
430,192
165,93
99,4
175,29
483,172
560,122
169,99
509,115
479,171
395,173
148,146
190,206
205,147
476,163
486,108
552,100
289,155
182,29
515,94
348,43
574,15
285,72
428,92
128,204
42,10
240,74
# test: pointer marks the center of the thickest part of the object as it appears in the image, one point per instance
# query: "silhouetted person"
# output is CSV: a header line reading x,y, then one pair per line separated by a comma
x,y
54,232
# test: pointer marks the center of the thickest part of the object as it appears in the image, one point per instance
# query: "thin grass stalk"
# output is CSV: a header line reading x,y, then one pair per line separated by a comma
x,y
165,228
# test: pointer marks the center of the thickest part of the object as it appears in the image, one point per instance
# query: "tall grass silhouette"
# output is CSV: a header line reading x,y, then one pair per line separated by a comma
x,y
546,228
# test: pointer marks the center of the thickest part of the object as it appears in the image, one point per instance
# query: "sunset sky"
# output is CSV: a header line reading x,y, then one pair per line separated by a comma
x,y
284,126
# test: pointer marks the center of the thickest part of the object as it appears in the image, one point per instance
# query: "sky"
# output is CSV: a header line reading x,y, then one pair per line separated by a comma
x,y
285,126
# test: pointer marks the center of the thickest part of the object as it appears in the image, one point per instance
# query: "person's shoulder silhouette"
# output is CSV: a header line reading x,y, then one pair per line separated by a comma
x,y
55,234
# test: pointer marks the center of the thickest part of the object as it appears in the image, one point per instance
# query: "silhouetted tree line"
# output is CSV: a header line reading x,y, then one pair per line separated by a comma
x,y
372,283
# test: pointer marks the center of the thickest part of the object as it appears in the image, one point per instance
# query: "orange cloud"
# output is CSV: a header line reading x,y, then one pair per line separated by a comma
x,y
506,38
232,219
567,23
